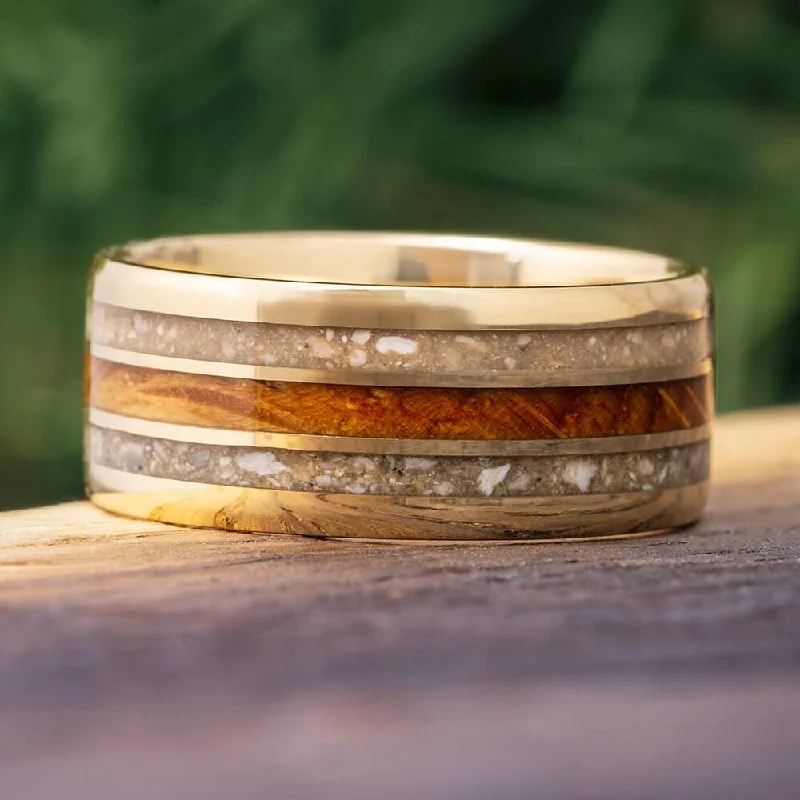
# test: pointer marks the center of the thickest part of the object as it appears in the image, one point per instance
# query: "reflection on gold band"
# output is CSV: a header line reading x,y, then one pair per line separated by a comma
x,y
429,307
401,259
419,518
598,377
409,447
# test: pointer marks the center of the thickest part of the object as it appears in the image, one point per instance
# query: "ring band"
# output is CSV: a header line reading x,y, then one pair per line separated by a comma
x,y
399,386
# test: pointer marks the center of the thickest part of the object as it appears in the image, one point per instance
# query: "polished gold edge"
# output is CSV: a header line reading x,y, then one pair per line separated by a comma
x,y
385,517
408,447
380,257
598,377
401,307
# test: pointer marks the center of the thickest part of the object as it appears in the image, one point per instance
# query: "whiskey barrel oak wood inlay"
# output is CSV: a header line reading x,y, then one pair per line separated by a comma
x,y
398,412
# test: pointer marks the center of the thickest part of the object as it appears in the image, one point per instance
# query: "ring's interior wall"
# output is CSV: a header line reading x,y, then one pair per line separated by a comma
x,y
402,259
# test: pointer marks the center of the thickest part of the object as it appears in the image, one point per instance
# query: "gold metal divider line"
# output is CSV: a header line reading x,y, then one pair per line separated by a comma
x,y
407,447
541,379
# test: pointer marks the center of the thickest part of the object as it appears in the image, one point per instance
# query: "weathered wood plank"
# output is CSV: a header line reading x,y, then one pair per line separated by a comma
x,y
164,662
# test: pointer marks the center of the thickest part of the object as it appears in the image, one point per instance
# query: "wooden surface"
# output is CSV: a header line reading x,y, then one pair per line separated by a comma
x,y
141,661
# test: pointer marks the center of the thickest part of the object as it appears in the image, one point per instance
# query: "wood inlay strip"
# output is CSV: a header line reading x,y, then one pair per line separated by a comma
x,y
398,412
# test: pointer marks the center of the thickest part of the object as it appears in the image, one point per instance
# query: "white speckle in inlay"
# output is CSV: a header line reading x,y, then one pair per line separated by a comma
x,y
140,324
580,473
361,337
356,489
524,339
131,456
396,344
510,363
635,337
344,338
329,334
320,348
418,463
490,477
358,358
592,341
646,466
228,350
468,341
260,463
452,359
199,458
444,488
322,480
520,483
160,329
362,462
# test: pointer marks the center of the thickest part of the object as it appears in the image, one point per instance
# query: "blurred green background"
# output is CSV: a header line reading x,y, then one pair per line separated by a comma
x,y
672,125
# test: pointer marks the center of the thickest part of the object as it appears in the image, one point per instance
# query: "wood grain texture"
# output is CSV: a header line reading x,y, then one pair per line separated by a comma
x,y
142,661
398,412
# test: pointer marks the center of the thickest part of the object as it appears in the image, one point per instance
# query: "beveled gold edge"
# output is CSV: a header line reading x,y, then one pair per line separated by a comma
x,y
408,447
400,307
303,249
562,378
414,518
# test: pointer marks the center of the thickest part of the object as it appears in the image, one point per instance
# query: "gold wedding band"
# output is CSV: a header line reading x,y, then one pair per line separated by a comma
x,y
398,386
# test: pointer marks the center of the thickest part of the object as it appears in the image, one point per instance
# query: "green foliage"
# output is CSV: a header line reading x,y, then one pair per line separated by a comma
x,y
670,125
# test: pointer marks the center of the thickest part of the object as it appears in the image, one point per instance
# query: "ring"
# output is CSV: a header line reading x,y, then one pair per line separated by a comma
x,y
398,386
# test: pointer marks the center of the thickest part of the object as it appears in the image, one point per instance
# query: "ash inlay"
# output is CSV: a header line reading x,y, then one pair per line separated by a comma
x,y
440,352
399,475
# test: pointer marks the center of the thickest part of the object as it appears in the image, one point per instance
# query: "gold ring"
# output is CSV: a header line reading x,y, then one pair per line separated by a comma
x,y
399,386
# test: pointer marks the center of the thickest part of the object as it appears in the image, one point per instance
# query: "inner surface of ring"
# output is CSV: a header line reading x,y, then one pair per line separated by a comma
x,y
402,259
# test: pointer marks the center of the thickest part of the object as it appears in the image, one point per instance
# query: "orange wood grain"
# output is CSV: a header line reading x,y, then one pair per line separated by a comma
x,y
398,412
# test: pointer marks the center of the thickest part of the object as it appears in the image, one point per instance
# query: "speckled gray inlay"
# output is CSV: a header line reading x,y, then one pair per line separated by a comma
x,y
298,470
443,352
